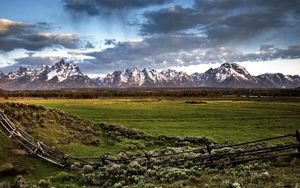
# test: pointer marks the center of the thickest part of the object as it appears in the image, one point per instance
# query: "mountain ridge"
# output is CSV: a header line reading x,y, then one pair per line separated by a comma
x,y
68,75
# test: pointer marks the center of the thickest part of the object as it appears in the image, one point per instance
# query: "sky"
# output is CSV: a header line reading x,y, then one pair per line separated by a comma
x,y
102,36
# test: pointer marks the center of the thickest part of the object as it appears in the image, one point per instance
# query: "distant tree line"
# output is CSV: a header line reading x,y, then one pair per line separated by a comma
x,y
153,92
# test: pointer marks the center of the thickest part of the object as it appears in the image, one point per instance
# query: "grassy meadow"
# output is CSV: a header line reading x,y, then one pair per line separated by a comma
x,y
222,120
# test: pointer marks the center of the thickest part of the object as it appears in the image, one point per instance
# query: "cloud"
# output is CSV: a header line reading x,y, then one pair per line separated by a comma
x,y
35,62
159,53
110,42
152,51
88,45
231,5
102,7
38,41
10,28
32,37
223,5
244,26
174,19
7,25
182,51
292,52
229,21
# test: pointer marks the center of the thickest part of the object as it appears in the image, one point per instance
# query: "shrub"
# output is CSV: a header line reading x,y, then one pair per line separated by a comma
x,y
87,168
43,183
63,177
20,182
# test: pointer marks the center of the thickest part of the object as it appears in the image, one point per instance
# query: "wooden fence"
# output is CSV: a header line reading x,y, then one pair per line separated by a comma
x,y
208,156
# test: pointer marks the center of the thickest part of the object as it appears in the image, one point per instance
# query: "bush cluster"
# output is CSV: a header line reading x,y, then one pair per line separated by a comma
x,y
117,133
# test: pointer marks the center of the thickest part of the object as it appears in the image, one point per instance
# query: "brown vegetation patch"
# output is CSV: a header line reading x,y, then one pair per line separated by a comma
x,y
196,102
8,169
19,151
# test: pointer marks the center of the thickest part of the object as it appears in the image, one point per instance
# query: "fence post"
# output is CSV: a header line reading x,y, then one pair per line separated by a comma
x,y
103,160
65,161
148,159
208,148
298,141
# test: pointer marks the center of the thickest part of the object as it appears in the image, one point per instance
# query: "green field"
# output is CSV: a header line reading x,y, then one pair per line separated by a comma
x,y
223,120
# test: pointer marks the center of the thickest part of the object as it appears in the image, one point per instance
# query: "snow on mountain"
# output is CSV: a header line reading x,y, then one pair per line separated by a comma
x,y
146,78
279,80
62,71
24,72
60,75
231,70
2,76
227,75
68,75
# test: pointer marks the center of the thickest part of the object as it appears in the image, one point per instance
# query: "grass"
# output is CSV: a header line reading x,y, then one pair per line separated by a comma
x,y
225,121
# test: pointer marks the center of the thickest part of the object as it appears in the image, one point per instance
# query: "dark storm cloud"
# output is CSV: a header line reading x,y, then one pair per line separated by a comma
x,y
220,4
292,52
100,7
175,19
244,26
38,41
31,37
229,21
229,5
265,53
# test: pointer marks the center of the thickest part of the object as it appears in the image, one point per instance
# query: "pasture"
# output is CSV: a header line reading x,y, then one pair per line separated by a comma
x,y
222,120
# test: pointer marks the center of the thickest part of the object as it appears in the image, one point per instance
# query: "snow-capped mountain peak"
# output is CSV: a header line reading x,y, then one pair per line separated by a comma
x,y
228,70
60,75
146,78
45,68
23,72
63,71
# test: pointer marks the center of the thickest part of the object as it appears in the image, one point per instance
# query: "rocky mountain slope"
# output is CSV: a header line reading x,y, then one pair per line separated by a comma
x,y
236,76
227,75
147,78
60,75
68,75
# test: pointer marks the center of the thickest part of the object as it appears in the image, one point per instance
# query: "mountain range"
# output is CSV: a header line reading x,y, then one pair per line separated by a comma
x,y
68,75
